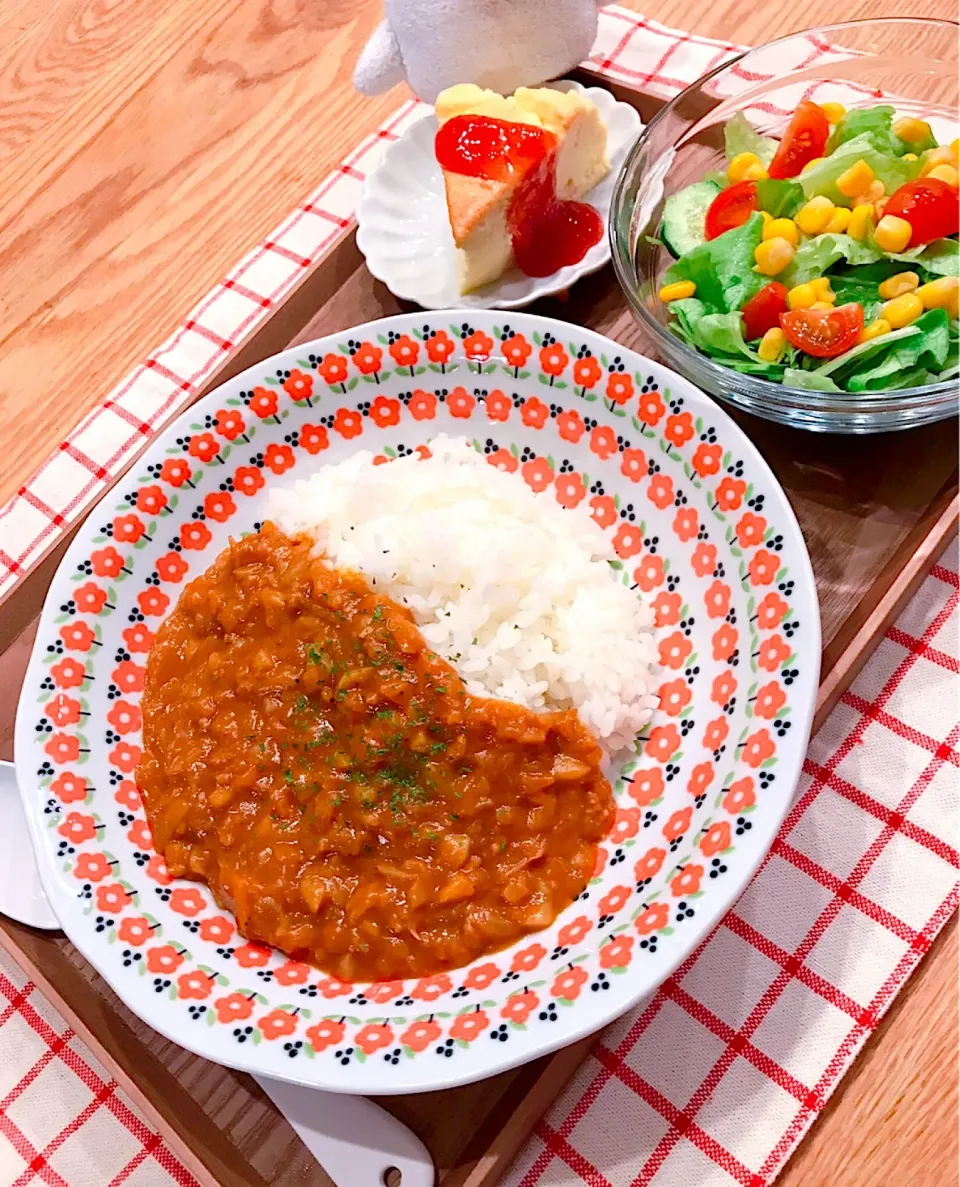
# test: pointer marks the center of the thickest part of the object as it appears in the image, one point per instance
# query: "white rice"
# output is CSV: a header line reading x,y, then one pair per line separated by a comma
x,y
514,590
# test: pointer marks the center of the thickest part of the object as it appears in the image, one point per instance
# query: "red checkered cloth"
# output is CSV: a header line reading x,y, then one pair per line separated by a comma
x,y
715,1079
629,49
64,1120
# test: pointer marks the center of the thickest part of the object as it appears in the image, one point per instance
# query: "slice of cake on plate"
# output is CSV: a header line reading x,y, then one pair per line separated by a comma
x,y
514,168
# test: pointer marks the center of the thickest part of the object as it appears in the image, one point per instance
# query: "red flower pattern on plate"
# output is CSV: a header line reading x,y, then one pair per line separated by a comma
x,y
218,506
332,369
686,524
570,426
325,1034
657,915
769,701
646,786
314,438
570,490
90,598
298,385
677,823
404,351
172,567
627,540
674,696
468,1026
235,1007
384,412
196,985
477,346
517,1009
679,429
716,839
603,510
460,403
771,611
69,788
124,717
763,567
203,446
619,388
706,459
650,864
527,959
482,975
660,492
112,899
264,403
687,881
347,423
573,933
633,464
439,347
128,529
497,405
603,442
650,408
587,372
278,1024
534,413
230,424
176,471
617,954
569,983
77,635
739,796
107,562
516,350
666,607
194,536
553,360
773,653
503,459
420,1035
537,473
368,359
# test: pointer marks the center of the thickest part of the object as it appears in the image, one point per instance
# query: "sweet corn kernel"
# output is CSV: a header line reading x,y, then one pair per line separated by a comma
x,y
810,164
901,311
912,130
892,233
873,193
944,155
801,296
821,305
856,179
945,173
839,221
833,111
861,220
767,217
785,228
880,207
943,293
896,286
955,149
910,156
678,290
746,166
773,255
821,286
874,330
813,217
771,345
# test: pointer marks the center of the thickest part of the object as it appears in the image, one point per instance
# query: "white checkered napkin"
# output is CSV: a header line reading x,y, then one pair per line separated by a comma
x,y
715,1079
63,1120
629,49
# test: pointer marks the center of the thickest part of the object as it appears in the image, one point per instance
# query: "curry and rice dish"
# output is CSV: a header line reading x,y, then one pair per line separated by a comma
x,y
354,798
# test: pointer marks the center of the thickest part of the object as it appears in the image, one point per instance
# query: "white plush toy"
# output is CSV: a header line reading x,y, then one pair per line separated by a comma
x,y
501,44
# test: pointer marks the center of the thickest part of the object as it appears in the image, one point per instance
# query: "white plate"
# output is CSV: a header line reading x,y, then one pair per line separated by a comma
x,y
405,234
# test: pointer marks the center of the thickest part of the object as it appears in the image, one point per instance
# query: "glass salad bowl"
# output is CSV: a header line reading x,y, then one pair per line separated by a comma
x,y
910,64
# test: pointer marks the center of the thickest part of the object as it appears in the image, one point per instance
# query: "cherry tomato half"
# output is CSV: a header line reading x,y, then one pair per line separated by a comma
x,y
930,206
730,208
805,138
762,311
823,333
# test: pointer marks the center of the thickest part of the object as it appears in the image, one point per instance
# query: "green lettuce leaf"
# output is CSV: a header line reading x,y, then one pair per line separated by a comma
x,y
779,198
722,333
809,380
814,256
821,178
739,135
927,350
722,269
941,257
865,350
876,123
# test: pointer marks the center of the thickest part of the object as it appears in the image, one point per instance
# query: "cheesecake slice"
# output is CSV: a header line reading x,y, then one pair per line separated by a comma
x,y
514,168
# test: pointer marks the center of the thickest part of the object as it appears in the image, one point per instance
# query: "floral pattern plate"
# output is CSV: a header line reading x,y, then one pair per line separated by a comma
x,y
701,529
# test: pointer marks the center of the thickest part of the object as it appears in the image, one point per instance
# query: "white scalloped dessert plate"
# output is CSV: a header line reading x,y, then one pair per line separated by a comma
x,y
405,235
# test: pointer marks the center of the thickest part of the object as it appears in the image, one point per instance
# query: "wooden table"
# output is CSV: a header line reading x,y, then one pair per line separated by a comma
x,y
146,148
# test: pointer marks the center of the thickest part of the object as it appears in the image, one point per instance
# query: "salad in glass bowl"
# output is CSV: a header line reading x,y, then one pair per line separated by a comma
x,y
825,260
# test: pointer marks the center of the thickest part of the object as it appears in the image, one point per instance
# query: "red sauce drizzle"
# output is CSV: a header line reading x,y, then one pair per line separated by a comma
x,y
547,233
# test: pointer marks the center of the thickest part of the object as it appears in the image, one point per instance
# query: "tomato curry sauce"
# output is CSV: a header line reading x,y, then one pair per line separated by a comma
x,y
327,775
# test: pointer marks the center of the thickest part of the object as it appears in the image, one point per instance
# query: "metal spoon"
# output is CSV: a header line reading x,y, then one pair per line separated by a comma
x,y
355,1141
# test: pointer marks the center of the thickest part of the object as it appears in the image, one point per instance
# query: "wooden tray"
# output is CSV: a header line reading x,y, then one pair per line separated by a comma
x,y
875,511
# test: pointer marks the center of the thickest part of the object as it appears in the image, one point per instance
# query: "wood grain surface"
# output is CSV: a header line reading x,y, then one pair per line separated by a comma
x,y
143,149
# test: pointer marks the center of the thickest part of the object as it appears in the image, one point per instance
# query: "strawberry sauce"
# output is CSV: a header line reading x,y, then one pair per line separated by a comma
x,y
547,233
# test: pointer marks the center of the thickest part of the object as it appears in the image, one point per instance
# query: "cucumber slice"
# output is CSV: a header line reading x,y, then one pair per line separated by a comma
x,y
683,217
